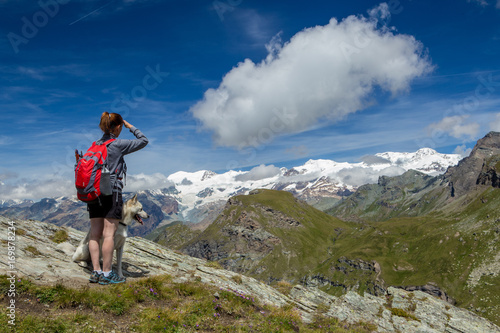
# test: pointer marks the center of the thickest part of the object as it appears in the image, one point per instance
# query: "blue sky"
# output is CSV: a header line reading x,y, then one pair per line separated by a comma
x,y
233,84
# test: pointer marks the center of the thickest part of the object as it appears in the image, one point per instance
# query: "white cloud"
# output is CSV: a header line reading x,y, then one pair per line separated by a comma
x,y
321,75
298,151
255,25
482,3
456,127
8,175
5,140
380,12
14,188
37,189
50,72
373,160
359,176
147,182
495,125
259,172
462,151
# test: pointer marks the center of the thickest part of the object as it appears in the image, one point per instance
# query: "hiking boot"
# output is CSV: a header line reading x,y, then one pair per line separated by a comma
x,y
111,279
94,277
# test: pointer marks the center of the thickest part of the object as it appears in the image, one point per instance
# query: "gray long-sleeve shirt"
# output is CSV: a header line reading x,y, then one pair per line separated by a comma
x,y
119,148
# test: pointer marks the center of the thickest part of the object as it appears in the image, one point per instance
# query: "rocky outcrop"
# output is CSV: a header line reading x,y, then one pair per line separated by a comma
x,y
267,235
246,237
488,268
402,311
40,258
207,249
475,169
410,194
350,275
490,172
432,290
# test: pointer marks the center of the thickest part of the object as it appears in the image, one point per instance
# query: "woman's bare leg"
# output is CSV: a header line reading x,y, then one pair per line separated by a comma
x,y
108,243
96,229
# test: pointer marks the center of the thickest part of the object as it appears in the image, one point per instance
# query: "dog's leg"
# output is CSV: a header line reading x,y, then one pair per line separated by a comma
x,y
119,256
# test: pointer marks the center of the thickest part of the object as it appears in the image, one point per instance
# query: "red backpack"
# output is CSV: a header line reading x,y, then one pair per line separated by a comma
x,y
92,177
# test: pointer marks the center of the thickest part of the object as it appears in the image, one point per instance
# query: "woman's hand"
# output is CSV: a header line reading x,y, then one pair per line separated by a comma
x,y
126,124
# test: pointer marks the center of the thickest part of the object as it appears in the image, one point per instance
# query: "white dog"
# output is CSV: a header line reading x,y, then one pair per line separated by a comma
x,y
132,210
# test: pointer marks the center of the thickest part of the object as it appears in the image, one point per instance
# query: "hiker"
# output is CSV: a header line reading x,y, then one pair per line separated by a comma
x,y
106,212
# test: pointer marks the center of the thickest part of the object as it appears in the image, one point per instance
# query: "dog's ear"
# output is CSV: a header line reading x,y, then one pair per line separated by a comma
x,y
134,198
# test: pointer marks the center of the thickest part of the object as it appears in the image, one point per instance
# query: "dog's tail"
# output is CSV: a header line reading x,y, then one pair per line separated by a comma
x,y
81,254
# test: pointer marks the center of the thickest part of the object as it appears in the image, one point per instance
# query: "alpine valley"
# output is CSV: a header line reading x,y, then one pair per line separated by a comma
x,y
423,222
437,234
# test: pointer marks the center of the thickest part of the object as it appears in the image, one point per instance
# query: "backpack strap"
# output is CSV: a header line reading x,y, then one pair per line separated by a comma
x,y
109,141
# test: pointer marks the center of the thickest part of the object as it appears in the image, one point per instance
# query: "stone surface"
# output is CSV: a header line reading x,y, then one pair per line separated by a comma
x,y
472,171
46,262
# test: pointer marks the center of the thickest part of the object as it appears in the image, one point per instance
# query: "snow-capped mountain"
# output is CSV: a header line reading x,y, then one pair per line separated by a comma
x,y
9,203
425,160
312,181
198,197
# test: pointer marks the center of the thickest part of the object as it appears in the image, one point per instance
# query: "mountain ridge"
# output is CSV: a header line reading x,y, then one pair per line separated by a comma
x,y
199,197
414,193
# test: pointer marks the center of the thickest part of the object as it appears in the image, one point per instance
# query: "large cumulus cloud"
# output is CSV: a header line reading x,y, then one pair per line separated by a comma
x,y
321,75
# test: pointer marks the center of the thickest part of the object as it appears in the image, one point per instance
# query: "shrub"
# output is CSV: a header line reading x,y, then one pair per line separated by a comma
x,y
60,236
402,313
214,264
33,250
237,279
283,287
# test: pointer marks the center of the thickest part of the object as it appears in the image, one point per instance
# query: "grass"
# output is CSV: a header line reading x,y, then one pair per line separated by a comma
x,y
237,278
151,305
214,264
402,313
60,236
283,287
33,250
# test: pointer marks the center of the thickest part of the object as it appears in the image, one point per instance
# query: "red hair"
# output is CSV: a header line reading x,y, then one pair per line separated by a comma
x,y
109,121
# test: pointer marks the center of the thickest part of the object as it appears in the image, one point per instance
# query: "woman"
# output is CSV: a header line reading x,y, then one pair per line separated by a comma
x,y
106,213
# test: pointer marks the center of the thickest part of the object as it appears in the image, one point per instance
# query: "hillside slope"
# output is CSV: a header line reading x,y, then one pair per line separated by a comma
x,y
44,259
437,233
415,231
269,235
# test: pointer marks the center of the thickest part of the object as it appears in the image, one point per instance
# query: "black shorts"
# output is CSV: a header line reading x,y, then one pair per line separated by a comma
x,y
108,206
